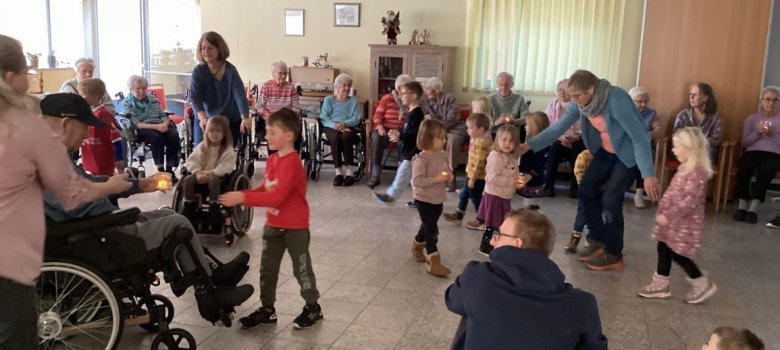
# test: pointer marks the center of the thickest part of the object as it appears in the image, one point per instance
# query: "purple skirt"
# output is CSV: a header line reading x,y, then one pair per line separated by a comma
x,y
493,210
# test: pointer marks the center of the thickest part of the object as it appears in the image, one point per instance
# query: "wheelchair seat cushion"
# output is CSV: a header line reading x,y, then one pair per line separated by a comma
x,y
116,218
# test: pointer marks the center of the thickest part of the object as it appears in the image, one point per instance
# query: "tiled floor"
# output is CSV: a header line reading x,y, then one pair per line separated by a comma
x,y
374,296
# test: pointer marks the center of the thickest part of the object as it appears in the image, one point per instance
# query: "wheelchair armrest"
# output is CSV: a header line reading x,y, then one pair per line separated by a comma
x,y
116,218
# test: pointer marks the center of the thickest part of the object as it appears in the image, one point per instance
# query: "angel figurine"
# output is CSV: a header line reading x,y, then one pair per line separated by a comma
x,y
413,40
322,61
392,26
425,37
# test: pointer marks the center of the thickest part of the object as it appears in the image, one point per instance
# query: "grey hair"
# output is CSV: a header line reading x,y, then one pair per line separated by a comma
x,y
135,79
340,80
84,60
637,91
769,88
506,75
435,84
563,81
278,64
401,80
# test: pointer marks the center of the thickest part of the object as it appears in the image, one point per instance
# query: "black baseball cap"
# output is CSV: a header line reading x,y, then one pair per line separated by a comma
x,y
67,105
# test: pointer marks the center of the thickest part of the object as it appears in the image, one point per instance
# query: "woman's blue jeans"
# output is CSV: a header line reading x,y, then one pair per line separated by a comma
x,y
604,209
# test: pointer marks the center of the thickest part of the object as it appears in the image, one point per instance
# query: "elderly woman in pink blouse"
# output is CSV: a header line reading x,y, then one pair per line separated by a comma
x,y
761,139
33,158
567,147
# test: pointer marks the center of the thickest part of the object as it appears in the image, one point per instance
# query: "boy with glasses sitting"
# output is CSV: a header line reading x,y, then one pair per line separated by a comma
x,y
519,299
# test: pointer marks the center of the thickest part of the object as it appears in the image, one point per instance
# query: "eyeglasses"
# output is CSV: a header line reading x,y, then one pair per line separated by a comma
x,y
769,99
694,95
281,73
497,235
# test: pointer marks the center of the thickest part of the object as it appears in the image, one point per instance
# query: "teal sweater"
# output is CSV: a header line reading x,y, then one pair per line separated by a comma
x,y
347,112
625,127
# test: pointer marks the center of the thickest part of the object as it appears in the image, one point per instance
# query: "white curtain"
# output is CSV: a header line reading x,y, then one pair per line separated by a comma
x,y
541,41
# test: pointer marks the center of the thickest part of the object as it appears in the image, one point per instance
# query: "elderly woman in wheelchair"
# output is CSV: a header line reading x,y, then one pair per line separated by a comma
x,y
148,123
340,114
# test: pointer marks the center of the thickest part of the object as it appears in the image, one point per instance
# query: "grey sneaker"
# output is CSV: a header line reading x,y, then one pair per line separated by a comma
x,y
384,199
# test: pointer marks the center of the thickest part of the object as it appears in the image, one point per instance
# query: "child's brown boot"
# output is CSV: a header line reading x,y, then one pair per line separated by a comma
x,y
417,251
435,267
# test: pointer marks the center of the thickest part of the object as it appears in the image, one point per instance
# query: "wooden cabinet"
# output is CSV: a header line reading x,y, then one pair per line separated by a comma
x,y
49,80
419,61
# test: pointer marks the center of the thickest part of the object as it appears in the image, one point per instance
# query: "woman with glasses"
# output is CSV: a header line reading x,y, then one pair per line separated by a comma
x,y
761,140
216,88
702,113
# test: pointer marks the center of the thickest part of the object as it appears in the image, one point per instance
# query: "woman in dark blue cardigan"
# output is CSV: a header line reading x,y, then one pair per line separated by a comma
x,y
614,132
216,88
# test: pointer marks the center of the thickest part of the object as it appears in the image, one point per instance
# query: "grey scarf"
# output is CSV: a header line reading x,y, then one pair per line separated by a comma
x,y
596,106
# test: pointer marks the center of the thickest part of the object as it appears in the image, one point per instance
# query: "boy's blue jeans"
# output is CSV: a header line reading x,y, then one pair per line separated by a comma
x,y
475,194
604,210
403,179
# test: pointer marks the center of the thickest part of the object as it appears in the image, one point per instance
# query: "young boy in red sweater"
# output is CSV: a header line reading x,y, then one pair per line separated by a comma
x,y
283,193
101,152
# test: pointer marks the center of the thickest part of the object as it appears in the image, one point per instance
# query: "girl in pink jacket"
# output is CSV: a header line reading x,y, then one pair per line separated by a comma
x,y
680,218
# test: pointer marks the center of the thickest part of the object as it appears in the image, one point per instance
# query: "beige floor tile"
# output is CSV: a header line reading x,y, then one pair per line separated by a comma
x,y
368,338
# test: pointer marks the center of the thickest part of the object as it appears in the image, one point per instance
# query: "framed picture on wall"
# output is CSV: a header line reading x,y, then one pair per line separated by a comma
x,y
293,22
346,14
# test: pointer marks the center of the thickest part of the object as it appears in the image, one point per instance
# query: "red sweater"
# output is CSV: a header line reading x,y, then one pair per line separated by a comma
x,y
97,151
387,114
283,192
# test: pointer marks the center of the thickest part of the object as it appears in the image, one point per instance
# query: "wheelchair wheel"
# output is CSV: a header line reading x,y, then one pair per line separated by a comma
x,y
77,309
158,300
242,215
175,338
250,168
178,198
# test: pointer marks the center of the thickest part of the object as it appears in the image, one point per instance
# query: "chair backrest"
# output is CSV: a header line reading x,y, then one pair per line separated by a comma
x,y
159,91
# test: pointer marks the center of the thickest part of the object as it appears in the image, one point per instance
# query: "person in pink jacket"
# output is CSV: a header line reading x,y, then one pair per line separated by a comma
x,y
680,218
33,158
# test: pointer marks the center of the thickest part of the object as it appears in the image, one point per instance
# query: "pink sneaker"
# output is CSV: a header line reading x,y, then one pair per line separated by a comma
x,y
658,288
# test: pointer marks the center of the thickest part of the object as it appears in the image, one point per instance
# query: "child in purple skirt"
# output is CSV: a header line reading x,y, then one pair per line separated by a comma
x,y
501,181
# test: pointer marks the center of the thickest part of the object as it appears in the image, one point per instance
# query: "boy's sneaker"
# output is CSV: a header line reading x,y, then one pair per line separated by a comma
x,y
384,199
455,218
310,316
774,223
476,225
261,316
411,205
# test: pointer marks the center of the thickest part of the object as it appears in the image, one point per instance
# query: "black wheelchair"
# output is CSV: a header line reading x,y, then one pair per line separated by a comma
x,y
315,148
240,217
95,281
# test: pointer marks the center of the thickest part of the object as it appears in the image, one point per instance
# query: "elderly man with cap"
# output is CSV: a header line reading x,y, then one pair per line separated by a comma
x,y
70,116
85,69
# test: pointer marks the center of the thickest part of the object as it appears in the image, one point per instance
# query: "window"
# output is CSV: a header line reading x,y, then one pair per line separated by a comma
x,y
541,42
174,30
67,30
28,22
119,43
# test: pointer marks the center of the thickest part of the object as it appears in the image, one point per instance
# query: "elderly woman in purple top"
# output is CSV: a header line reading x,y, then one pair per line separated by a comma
x,y
761,139
217,89
641,98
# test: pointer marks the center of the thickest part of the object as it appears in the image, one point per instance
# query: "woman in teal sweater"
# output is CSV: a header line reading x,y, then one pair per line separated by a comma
x,y
613,131
340,115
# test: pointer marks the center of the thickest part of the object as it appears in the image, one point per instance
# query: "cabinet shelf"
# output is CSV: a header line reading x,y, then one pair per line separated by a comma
x,y
418,61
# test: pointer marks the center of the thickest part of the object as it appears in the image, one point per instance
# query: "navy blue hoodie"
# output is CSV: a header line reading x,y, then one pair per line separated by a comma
x,y
520,300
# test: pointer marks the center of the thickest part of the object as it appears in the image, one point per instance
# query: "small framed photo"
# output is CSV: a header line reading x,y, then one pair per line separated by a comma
x,y
346,14
293,22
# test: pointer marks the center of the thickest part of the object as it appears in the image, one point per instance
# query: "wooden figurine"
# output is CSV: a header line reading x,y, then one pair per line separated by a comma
x,y
413,40
392,26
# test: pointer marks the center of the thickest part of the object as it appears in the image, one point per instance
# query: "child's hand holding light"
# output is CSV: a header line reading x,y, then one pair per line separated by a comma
x,y
232,199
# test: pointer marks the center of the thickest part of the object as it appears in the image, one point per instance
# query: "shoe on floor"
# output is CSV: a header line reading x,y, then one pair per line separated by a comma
x,y
384,199
485,248
417,251
774,223
701,289
310,315
605,262
455,218
435,267
229,274
639,202
574,241
548,192
348,181
451,186
476,225
411,205
373,182
338,181
739,215
261,316
658,288
231,297
591,250
751,217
